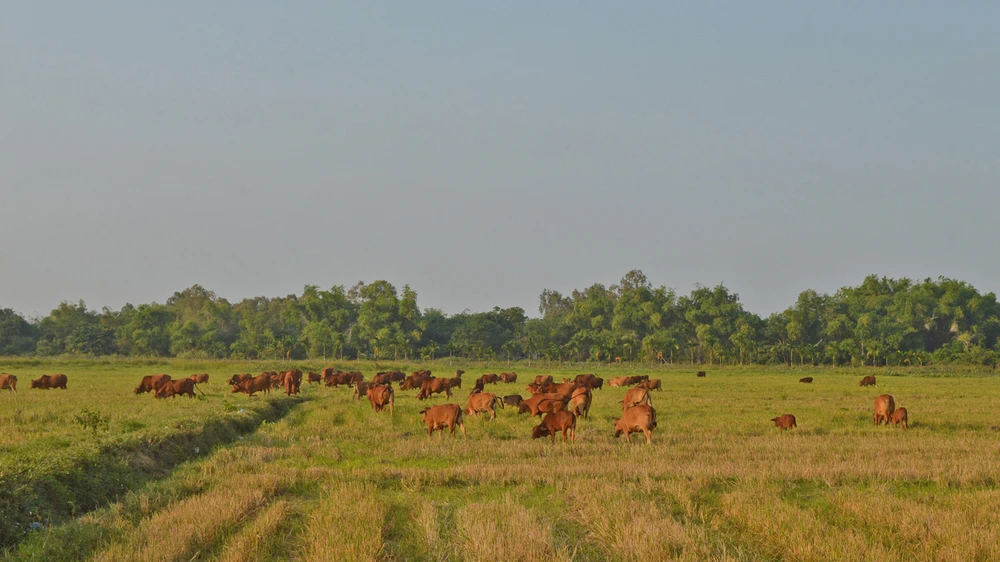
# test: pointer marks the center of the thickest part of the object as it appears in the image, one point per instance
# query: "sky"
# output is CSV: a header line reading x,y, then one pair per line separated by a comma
x,y
484,151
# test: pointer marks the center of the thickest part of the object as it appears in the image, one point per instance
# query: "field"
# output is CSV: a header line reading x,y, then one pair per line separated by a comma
x,y
322,477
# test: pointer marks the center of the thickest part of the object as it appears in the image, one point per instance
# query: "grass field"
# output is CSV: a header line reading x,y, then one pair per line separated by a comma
x,y
322,477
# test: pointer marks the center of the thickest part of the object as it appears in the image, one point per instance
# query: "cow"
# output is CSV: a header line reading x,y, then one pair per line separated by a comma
x,y
636,396
596,383
292,381
354,377
237,379
361,389
172,388
434,386
584,379
382,378
899,418
543,403
456,381
151,383
542,380
414,381
784,422
513,400
483,402
491,378
478,387
336,379
650,384
534,388
314,378
564,421
635,419
508,378
200,378
806,379
397,376
868,380
8,382
276,379
618,381
636,379
700,374
260,383
381,396
580,401
442,416
884,406
49,381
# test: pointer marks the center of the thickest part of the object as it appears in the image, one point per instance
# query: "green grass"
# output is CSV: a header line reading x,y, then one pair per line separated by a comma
x,y
337,481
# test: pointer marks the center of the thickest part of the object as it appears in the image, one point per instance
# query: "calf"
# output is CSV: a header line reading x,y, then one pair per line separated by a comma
x,y
869,380
806,379
434,386
884,406
8,382
314,378
784,422
637,418
513,400
563,421
898,418
172,388
381,396
442,416
483,402
700,374
49,381
508,378
636,396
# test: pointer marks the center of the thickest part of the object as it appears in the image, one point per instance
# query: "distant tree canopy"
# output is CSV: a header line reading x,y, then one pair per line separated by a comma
x,y
883,321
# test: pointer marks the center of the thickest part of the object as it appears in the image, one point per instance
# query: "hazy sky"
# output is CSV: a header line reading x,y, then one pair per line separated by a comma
x,y
483,151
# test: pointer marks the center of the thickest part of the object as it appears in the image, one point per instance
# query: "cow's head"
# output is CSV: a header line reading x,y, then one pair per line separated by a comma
x,y
540,431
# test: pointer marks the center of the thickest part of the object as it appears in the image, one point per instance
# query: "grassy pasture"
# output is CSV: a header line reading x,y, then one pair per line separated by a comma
x,y
331,480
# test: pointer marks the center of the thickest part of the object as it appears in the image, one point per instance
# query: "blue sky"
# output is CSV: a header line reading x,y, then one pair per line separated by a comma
x,y
483,152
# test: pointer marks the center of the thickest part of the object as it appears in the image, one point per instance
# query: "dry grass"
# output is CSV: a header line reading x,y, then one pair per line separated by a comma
x,y
346,525
504,530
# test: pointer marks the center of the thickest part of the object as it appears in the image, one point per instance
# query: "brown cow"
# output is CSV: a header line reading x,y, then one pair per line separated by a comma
x,y
361,389
636,379
635,419
884,405
292,381
543,403
381,396
397,376
597,383
50,381
700,374
260,383
784,422
869,380
354,377
434,386
442,416
456,381
899,418
806,379
508,378
152,383
382,378
636,396
513,400
584,379
534,388
650,384
483,402
237,379
8,382
415,380
200,378
172,388
618,381
314,377
336,379
542,380
277,379
581,400
566,388
564,421
491,378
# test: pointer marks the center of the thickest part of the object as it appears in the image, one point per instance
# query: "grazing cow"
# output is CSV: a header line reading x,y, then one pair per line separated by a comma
x,y
564,421
381,396
581,400
636,379
700,374
237,379
442,416
276,379
314,377
597,383
513,400
635,419
898,418
361,389
884,405
415,380
8,382
491,378
260,383
543,403
478,387
618,381
172,388
338,378
584,379
508,378
650,384
483,402
152,383
542,380
566,388
636,396
50,381
434,386
382,378
784,422
292,381
806,379
200,378
869,380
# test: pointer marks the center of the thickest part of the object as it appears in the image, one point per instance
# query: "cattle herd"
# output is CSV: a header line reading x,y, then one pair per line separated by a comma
x,y
561,403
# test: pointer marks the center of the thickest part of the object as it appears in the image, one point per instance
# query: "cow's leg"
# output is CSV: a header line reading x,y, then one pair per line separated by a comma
x,y
462,427
649,436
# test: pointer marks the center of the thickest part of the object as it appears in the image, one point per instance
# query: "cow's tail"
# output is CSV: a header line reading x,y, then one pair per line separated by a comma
x,y
196,387
497,400
653,425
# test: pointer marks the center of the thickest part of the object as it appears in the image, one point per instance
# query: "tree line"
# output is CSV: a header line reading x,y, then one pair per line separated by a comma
x,y
881,322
